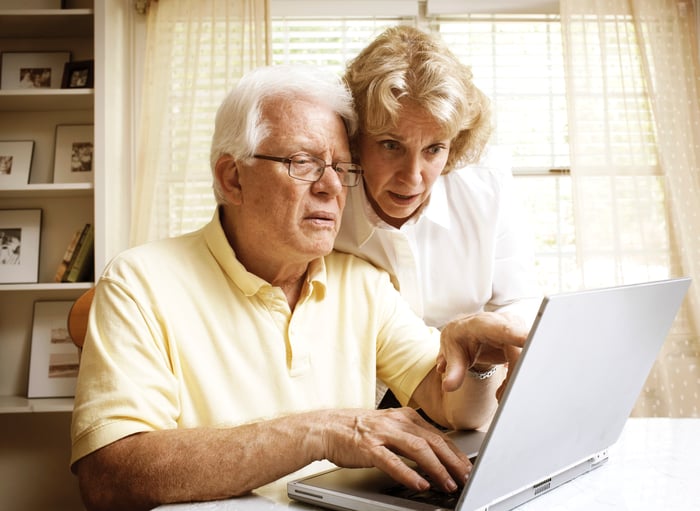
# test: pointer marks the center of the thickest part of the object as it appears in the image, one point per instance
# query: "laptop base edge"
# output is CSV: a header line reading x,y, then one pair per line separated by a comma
x,y
547,485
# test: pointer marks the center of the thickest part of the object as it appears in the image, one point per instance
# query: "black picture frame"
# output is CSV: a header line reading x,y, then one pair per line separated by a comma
x,y
79,74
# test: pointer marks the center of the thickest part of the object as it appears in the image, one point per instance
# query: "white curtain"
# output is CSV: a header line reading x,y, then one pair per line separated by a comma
x,y
195,52
633,77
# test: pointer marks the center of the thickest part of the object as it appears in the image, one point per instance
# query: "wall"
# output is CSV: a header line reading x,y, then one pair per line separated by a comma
x,y
34,473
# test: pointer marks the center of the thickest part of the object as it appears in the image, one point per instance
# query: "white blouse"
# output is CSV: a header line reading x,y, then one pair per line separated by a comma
x,y
468,250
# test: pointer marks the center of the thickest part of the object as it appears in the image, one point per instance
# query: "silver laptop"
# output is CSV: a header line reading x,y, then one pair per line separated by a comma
x,y
571,392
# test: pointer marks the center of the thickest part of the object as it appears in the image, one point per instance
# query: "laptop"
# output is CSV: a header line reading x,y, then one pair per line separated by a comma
x,y
579,375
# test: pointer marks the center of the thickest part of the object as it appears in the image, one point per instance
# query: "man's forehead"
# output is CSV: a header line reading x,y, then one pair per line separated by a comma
x,y
302,121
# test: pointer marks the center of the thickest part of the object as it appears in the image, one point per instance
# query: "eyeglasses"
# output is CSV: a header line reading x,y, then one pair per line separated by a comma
x,y
308,168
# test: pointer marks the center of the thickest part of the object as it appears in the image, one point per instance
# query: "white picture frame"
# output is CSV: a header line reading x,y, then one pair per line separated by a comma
x,y
20,235
33,70
15,163
74,154
53,366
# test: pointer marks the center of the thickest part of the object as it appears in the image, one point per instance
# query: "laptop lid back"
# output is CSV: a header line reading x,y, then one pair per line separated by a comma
x,y
574,386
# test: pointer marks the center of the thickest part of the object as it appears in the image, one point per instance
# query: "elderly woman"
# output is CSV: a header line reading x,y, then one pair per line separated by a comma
x,y
436,208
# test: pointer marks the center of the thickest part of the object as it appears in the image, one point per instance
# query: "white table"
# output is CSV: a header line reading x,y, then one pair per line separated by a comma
x,y
654,466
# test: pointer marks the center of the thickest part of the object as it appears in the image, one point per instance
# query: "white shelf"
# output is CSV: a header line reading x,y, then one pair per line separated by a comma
x,y
15,404
48,190
46,100
47,286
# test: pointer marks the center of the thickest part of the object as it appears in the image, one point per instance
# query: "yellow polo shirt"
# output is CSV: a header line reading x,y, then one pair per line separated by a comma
x,y
181,335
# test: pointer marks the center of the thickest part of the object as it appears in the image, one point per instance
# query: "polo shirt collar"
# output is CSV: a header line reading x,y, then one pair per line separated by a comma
x,y
249,283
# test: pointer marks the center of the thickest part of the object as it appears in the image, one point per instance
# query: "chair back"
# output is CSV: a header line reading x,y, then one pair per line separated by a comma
x,y
78,317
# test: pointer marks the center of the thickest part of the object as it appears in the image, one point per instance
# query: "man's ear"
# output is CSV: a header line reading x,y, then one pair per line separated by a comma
x,y
228,177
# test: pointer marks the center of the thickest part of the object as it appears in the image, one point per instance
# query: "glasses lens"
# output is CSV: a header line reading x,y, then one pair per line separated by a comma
x,y
349,173
306,167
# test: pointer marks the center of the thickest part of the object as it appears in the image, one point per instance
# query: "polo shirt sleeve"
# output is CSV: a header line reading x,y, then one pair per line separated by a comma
x,y
407,349
125,384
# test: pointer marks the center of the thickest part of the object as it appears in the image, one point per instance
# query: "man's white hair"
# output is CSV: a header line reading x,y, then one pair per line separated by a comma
x,y
238,128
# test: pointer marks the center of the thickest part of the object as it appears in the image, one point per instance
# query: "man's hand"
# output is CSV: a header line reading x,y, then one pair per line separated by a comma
x,y
379,438
479,341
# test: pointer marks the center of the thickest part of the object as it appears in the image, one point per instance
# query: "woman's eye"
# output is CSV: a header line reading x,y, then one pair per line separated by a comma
x,y
390,145
436,149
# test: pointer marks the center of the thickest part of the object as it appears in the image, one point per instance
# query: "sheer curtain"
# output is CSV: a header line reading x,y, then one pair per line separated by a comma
x,y
632,75
195,52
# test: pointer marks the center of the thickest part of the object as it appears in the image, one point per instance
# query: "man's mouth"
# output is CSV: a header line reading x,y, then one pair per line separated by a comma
x,y
321,216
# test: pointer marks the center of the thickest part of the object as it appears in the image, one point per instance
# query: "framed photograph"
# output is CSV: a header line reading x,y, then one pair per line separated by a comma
x,y
15,162
20,231
26,70
53,365
78,75
73,159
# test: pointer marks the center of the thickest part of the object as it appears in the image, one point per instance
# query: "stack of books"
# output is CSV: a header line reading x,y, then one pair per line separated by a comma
x,y
78,263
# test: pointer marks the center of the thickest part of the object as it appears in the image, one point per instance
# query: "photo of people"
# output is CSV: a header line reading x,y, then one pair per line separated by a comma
x,y
79,78
35,77
81,157
5,165
10,245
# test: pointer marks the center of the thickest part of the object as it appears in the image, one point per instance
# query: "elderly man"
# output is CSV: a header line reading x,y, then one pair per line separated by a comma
x,y
224,359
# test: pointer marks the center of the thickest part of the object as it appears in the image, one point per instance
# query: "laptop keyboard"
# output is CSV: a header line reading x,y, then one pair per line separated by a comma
x,y
432,496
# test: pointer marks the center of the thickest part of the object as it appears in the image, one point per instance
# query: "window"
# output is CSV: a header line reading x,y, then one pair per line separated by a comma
x,y
517,62
322,42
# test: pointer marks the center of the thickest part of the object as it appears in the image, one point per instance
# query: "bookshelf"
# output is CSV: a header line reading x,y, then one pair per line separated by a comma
x,y
33,114
35,445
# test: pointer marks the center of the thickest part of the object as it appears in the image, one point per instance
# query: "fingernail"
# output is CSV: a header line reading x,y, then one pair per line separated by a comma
x,y
450,485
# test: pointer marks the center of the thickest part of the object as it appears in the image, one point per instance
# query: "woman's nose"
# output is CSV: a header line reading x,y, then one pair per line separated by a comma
x,y
410,170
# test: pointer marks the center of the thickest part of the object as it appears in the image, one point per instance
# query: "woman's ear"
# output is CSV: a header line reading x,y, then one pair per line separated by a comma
x,y
228,177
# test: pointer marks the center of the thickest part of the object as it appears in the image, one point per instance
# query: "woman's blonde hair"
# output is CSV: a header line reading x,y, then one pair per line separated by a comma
x,y
406,63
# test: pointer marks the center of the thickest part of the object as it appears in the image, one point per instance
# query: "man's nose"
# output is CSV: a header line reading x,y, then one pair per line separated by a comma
x,y
329,182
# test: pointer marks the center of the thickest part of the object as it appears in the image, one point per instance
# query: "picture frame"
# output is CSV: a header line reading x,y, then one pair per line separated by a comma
x,y
15,162
33,70
54,359
73,158
78,75
20,235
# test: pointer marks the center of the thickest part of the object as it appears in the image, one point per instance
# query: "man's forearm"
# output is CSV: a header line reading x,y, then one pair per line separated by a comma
x,y
149,469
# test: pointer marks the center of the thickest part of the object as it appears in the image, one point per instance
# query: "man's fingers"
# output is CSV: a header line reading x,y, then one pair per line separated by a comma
x,y
402,434
440,466
395,467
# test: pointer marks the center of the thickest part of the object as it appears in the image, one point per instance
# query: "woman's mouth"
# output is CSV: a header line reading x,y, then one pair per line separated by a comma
x,y
402,198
